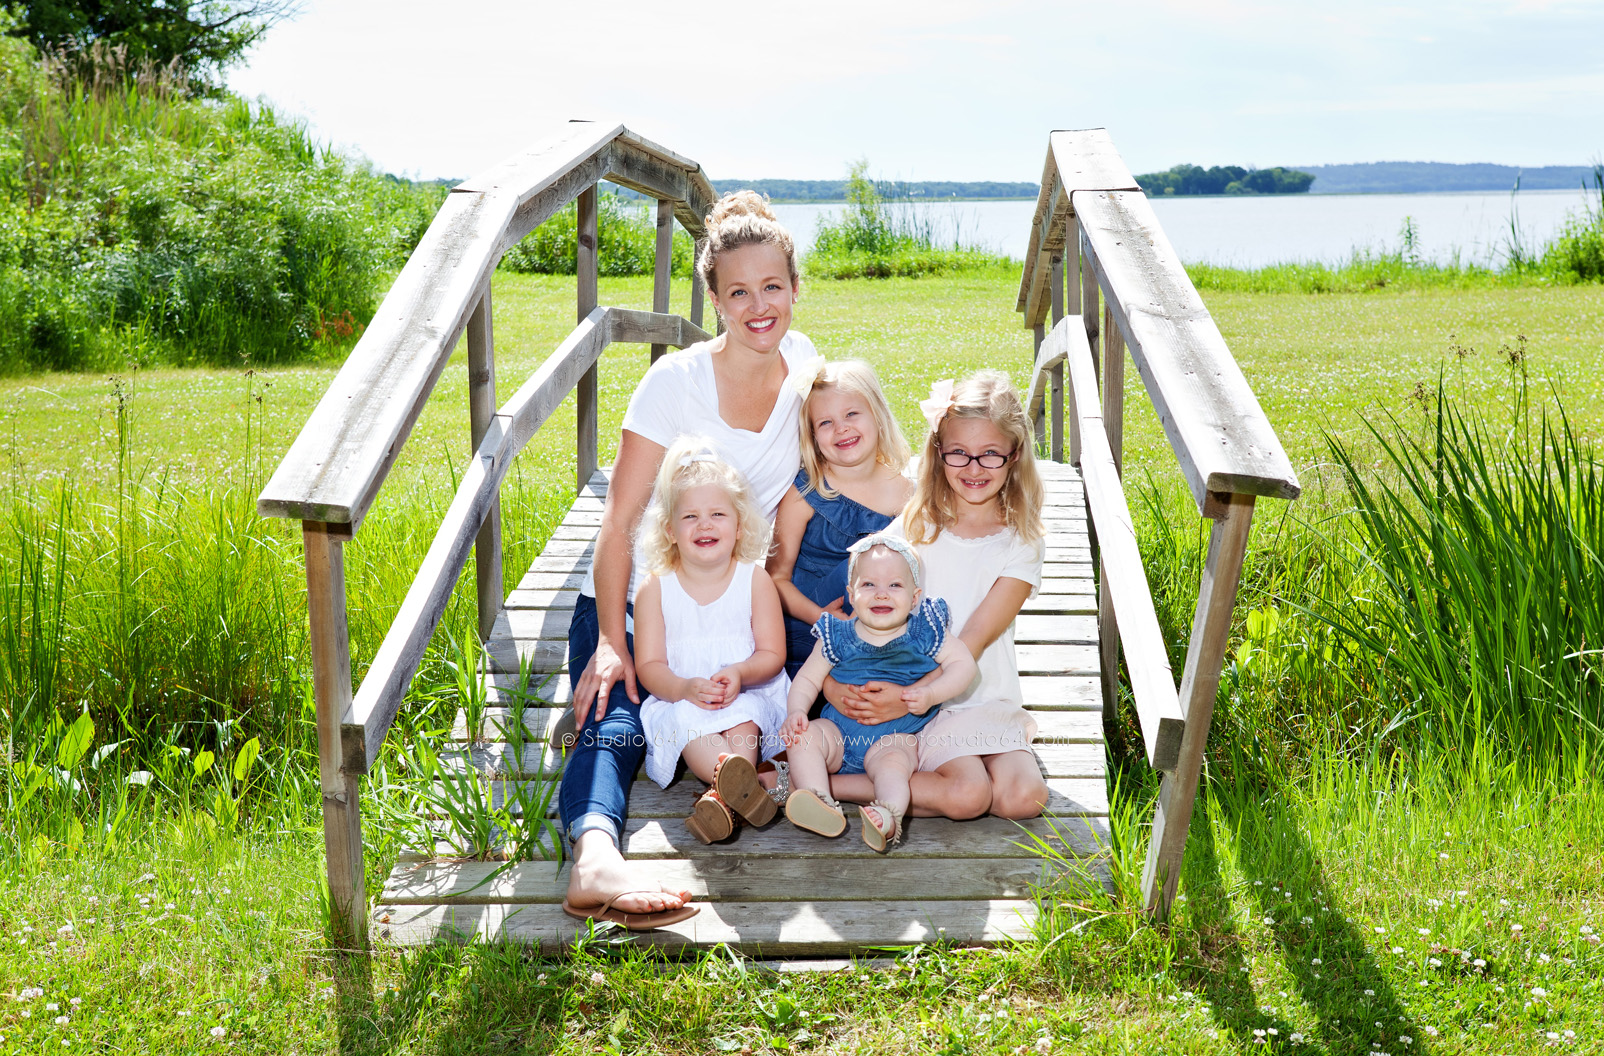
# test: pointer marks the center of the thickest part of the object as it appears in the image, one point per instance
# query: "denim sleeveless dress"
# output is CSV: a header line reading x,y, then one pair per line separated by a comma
x,y
821,561
902,661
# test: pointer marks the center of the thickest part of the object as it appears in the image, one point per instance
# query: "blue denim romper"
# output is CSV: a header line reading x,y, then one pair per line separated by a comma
x,y
820,572
902,661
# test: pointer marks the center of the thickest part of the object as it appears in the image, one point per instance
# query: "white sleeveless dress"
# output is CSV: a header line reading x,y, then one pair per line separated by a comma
x,y
702,639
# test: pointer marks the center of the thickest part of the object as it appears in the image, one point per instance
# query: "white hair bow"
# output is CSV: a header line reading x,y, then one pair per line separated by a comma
x,y
805,375
940,402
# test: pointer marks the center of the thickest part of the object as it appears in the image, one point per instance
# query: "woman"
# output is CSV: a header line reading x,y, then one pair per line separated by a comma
x,y
732,390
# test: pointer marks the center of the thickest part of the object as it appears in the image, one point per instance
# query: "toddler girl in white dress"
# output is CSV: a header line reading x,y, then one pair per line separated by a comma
x,y
709,639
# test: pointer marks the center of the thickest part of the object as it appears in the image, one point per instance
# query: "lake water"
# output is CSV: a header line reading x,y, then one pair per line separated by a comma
x,y
1252,231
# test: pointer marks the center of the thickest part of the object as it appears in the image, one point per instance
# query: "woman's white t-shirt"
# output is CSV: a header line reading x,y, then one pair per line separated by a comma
x,y
963,571
679,397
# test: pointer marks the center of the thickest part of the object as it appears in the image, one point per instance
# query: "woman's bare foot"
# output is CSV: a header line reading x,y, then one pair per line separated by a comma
x,y
601,875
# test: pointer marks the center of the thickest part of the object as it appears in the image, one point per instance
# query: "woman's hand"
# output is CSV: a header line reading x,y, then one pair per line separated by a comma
x,y
606,668
837,608
871,703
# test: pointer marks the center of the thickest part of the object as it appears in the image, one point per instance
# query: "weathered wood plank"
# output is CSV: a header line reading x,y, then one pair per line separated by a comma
x,y
1213,421
788,929
887,879
1087,160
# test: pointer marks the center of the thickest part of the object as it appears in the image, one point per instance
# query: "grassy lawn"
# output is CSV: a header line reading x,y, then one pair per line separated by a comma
x,y
1359,904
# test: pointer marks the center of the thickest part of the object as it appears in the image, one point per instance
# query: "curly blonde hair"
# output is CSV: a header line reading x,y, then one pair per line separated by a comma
x,y
989,395
742,218
691,462
857,378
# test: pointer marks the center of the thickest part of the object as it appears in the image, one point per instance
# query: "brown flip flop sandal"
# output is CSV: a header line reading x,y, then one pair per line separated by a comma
x,y
604,911
735,780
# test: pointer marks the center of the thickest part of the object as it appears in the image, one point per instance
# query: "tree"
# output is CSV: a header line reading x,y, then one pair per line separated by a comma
x,y
204,37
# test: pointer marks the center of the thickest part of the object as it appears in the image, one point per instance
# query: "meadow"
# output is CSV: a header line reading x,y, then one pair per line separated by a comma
x,y
1368,871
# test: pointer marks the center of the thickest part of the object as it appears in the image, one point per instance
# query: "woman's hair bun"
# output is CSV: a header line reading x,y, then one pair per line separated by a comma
x,y
739,203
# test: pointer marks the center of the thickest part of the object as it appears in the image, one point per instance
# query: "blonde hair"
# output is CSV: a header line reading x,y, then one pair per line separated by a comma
x,y
742,218
989,395
690,462
857,378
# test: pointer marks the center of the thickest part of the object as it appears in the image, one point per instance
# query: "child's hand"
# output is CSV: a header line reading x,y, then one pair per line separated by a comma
x,y
796,724
730,680
837,608
918,699
705,693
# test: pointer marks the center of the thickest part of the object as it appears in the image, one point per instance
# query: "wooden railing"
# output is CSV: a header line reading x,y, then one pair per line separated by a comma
x,y
332,473
1094,234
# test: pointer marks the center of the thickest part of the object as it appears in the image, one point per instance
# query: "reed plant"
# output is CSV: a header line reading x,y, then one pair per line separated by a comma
x,y
875,239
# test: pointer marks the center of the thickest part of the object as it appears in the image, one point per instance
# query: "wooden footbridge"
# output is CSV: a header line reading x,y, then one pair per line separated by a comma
x,y
1100,280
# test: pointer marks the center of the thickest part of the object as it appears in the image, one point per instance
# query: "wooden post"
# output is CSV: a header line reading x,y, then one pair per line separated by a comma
x,y
1072,306
1038,335
331,689
1211,627
1114,425
1089,301
1056,282
585,266
482,408
696,297
1107,633
662,271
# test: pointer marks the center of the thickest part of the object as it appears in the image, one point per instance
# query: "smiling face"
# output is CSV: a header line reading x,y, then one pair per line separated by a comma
x,y
844,428
974,484
705,527
754,295
882,589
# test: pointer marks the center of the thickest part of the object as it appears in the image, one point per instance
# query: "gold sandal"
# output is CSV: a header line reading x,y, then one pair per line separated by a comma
x,y
711,819
815,812
735,781
877,836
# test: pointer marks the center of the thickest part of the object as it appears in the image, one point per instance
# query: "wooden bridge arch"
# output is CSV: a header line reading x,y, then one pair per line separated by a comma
x,y
332,474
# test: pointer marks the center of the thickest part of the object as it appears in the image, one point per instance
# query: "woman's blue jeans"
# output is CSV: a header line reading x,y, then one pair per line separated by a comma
x,y
602,764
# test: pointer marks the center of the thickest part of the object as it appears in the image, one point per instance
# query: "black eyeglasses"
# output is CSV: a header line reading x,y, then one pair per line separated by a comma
x,y
989,460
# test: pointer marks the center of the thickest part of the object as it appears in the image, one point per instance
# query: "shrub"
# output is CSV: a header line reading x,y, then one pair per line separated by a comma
x,y
626,242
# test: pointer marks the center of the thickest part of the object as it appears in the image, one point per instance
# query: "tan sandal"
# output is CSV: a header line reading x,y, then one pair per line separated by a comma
x,y
880,838
711,819
815,812
735,781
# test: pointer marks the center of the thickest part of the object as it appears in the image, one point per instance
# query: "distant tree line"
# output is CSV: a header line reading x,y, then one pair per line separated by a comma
x,y
888,190
1411,177
1224,179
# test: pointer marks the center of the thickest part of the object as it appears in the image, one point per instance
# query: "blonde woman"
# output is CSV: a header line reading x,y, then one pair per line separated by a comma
x,y
732,390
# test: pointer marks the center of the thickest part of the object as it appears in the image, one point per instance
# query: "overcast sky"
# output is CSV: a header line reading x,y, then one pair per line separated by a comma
x,y
945,90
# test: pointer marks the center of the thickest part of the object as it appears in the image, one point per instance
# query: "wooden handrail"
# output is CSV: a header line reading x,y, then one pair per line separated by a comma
x,y
335,467
374,707
1152,681
1135,296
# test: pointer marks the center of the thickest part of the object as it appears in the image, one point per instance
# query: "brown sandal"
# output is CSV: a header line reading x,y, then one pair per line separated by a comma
x,y
735,781
711,820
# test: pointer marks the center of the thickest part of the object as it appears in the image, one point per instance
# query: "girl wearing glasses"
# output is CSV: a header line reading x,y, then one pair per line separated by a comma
x,y
975,518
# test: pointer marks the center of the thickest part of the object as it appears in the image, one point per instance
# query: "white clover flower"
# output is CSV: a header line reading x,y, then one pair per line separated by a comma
x,y
1516,927
75,1002
1397,949
1380,930
65,929
1443,856
1570,1034
1406,1039
1584,930
1552,1035
219,1032
1479,963
146,877
1269,920
1434,962
1430,1031
1272,1032
62,1021
1307,920
1044,1044
51,1006
597,978
1295,1038
1424,931
1257,1033
1370,993
1539,992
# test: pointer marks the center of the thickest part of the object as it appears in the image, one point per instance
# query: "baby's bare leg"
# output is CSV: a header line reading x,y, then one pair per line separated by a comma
x,y
815,756
701,755
890,763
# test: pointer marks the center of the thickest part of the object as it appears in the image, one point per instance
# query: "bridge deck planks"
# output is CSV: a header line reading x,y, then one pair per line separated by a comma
x,y
972,883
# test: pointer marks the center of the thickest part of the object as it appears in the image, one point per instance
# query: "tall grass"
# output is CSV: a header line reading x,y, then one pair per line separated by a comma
x,y
871,239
